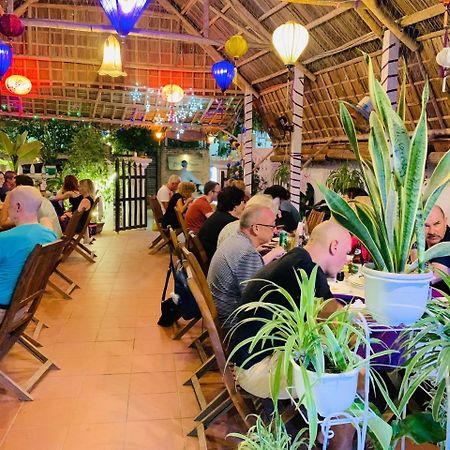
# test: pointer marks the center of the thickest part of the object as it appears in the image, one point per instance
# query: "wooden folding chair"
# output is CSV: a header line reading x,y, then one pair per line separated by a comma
x,y
183,225
68,236
75,242
26,298
196,247
314,218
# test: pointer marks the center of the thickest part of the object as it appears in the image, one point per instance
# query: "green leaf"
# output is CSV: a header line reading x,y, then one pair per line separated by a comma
x,y
421,428
436,251
401,106
6,143
438,180
349,128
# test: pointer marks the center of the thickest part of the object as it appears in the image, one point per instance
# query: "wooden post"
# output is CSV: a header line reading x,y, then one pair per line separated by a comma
x,y
205,18
248,139
298,85
389,66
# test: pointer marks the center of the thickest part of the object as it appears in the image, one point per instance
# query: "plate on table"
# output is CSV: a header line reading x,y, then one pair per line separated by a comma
x,y
356,280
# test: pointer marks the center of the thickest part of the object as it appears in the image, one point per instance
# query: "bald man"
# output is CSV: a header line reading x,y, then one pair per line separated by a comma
x,y
437,230
17,244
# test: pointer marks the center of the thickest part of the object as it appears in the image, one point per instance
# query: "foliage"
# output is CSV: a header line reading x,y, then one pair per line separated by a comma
x,y
272,436
343,178
134,139
175,143
282,175
394,178
235,171
19,151
301,332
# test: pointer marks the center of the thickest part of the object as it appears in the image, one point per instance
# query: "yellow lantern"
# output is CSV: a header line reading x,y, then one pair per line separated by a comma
x,y
172,93
235,78
18,84
159,135
236,46
112,61
289,40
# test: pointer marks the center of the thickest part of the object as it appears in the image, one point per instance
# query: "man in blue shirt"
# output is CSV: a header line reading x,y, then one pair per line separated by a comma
x,y
17,244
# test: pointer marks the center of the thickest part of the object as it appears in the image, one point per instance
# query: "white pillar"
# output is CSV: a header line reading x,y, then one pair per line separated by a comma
x,y
389,66
298,85
248,139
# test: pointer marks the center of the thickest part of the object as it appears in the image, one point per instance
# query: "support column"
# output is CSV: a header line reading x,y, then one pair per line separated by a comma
x,y
389,66
298,85
247,143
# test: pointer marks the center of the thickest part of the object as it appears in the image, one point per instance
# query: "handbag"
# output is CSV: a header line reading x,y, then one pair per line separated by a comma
x,y
170,312
186,301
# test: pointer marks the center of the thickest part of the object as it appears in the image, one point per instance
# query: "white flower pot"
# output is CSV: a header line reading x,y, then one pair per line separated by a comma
x,y
332,392
396,298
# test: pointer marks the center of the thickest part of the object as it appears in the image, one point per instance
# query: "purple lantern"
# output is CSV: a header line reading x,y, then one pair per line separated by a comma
x,y
5,58
124,14
223,72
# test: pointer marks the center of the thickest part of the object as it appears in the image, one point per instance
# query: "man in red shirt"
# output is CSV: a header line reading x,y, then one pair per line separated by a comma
x,y
201,209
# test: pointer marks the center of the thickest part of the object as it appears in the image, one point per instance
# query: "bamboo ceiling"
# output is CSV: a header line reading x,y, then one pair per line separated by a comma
x,y
63,63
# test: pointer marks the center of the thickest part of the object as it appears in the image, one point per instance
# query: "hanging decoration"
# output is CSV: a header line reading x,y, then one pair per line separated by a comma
x,y
123,14
443,57
236,46
18,85
289,40
172,93
11,26
112,61
6,55
159,135
223,72
136,94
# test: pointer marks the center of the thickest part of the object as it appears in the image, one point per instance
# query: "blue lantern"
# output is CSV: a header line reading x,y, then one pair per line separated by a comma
x,y
124,14
5,58
223,72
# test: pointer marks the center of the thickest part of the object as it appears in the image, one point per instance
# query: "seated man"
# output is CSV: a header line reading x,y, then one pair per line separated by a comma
x,y
237,259
46,215
437,230
327,247
230,204
17,244
201,209
166,191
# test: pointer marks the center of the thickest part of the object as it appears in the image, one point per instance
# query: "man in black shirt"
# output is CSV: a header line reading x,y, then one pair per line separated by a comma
x,y
328,247
230,204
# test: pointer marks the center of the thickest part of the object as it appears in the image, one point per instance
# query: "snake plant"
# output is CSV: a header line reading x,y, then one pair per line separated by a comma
x,y
394,177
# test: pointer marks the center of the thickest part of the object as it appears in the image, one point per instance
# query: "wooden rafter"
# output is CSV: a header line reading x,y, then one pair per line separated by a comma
x,y
370,21
424,14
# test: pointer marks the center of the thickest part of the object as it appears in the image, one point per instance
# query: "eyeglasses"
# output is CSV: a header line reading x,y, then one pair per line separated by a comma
x,y
264,225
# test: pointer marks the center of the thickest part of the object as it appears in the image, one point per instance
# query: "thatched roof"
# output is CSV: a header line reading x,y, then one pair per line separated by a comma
x,y
62,62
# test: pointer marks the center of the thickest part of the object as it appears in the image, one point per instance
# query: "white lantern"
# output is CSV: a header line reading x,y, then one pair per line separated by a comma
x,y
289,40
443,57
112,61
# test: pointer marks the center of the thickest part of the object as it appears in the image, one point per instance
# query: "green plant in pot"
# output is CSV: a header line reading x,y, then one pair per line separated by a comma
x,y
318,352
19,151
343,178
394,176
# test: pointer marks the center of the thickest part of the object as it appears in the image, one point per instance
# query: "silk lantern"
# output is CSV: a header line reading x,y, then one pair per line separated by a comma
x,y
11,25
236,46
5,58
172,93
223,73
112,61
18,84
289,40
124,14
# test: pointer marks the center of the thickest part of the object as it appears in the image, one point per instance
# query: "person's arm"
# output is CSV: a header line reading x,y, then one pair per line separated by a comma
x,y
84,205
275,253
248,266
63,196
5,221
183,207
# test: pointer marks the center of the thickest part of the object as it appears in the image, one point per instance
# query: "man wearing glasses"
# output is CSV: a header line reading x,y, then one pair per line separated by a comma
x,y
201,209
237,259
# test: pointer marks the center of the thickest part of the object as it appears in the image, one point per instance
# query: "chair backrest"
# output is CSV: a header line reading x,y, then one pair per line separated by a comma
x,y
69,233
156,208
314,218
183,224
174,243
197,248
89,217
28,292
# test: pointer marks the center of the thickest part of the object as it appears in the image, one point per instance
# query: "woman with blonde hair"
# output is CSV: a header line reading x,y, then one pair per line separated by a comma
x,y
180,200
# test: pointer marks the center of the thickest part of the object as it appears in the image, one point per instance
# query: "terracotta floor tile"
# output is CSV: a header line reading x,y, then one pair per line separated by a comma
x,y
97,365
8,412
154,435
45,437
153,406
113,348
58,387
105,384
99,436
188,404
153,363
116,334
101,408
187,361
153,383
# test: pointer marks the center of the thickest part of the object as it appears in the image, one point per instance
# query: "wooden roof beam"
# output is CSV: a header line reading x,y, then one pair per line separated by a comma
x,y
329,3
420,16
376,10
370,21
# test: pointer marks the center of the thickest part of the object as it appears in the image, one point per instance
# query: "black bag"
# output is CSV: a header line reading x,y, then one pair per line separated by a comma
x,y
170,312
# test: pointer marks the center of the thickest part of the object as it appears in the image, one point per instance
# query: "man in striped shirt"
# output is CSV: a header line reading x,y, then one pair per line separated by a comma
x,y
237,259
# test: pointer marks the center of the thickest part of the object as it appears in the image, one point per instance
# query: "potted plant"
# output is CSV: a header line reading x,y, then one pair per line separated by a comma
x,y
343,178
20,151
318,352
395,292
271,436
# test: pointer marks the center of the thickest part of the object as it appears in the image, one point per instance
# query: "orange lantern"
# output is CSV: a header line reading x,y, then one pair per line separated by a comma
x,y
18,84
172,93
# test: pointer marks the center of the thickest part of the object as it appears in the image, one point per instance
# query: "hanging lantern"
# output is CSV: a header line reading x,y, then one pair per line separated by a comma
x,y
123,14
236,46
159,135
5,58
289,40
223,73
443,57
112,61
18,84
172,93
11,25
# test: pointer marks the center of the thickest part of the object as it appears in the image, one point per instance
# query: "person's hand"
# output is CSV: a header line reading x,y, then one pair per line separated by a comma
x,y
277,252
189,200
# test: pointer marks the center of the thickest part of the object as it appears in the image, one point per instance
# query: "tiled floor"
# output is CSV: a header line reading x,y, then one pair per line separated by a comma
x,y
120,386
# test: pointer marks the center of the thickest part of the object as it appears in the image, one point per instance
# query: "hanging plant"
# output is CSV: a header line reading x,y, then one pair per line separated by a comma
x,y
343,178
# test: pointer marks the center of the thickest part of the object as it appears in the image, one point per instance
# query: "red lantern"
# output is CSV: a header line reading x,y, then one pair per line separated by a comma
x,y
11,25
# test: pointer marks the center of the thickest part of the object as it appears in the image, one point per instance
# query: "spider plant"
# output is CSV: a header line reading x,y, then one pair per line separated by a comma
x,y
394,177
302,331
272,436
343,178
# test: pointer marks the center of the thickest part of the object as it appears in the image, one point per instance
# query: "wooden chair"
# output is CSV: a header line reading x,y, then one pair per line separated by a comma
x,y
314,218
68,238
197,248
26,298
75,242
183,225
